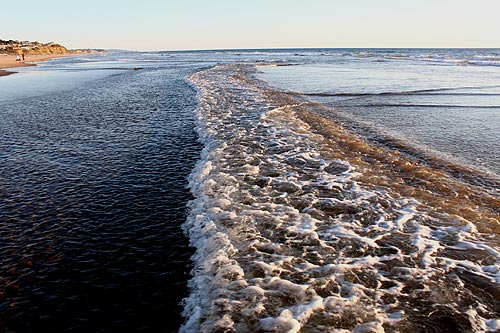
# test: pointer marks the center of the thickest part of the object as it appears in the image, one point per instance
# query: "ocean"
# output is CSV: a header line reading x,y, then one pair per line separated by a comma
x,y
303,190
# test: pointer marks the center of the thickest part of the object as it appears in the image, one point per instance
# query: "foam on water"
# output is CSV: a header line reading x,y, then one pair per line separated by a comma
x,y
292,236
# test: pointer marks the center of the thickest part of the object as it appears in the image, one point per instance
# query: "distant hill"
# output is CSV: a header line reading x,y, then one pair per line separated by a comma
x,y
15,46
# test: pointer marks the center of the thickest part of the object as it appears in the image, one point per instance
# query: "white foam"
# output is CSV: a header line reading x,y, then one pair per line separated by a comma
x,y
286,236
284,323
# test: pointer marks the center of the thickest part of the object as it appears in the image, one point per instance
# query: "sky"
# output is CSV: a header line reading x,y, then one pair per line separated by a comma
x,y
219,24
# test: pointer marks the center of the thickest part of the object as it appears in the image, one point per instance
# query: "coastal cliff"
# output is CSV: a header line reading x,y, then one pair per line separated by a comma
x,y
27,47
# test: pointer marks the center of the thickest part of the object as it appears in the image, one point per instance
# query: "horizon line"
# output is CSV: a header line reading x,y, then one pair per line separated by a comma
x,y
302,48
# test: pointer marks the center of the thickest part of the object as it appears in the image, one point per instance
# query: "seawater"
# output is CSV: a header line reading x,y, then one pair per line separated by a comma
x,y
447,101
311,216
92,196
325,190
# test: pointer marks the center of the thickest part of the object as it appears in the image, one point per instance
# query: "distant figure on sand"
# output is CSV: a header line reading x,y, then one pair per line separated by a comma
x,y
20,53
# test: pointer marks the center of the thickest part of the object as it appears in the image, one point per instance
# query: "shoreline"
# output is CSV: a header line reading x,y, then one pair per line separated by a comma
x,y
299,182
8,61
5,73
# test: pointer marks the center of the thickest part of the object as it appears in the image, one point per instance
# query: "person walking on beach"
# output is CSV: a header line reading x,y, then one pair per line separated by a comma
x,y
22,54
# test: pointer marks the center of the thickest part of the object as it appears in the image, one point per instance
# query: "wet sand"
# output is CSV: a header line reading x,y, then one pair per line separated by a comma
x,y
5,73
9,61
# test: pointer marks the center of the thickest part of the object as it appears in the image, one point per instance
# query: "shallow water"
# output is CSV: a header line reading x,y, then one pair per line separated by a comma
x,y
449,109
302,226
92,196
311,210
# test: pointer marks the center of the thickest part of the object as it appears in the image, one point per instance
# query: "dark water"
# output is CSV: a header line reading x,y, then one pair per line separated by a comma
x,y
300,222
92,196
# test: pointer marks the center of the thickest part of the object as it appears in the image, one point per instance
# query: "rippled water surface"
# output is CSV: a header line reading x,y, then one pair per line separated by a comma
x,y
447,101
92,196
161,191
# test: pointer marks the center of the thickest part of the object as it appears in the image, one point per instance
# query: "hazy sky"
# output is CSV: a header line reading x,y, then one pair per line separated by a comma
x,y
206,24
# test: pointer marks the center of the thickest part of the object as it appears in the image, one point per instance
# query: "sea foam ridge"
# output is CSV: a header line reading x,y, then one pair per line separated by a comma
x,y
292,236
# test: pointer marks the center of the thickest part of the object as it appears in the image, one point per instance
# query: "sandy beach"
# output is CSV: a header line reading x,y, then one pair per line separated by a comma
x,y
9,61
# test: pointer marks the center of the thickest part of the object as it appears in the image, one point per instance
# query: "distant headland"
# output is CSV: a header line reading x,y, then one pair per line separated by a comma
x,y
27,47
15,53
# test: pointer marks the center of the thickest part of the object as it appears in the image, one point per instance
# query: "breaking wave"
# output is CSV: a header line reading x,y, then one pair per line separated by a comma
x,y
301,226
